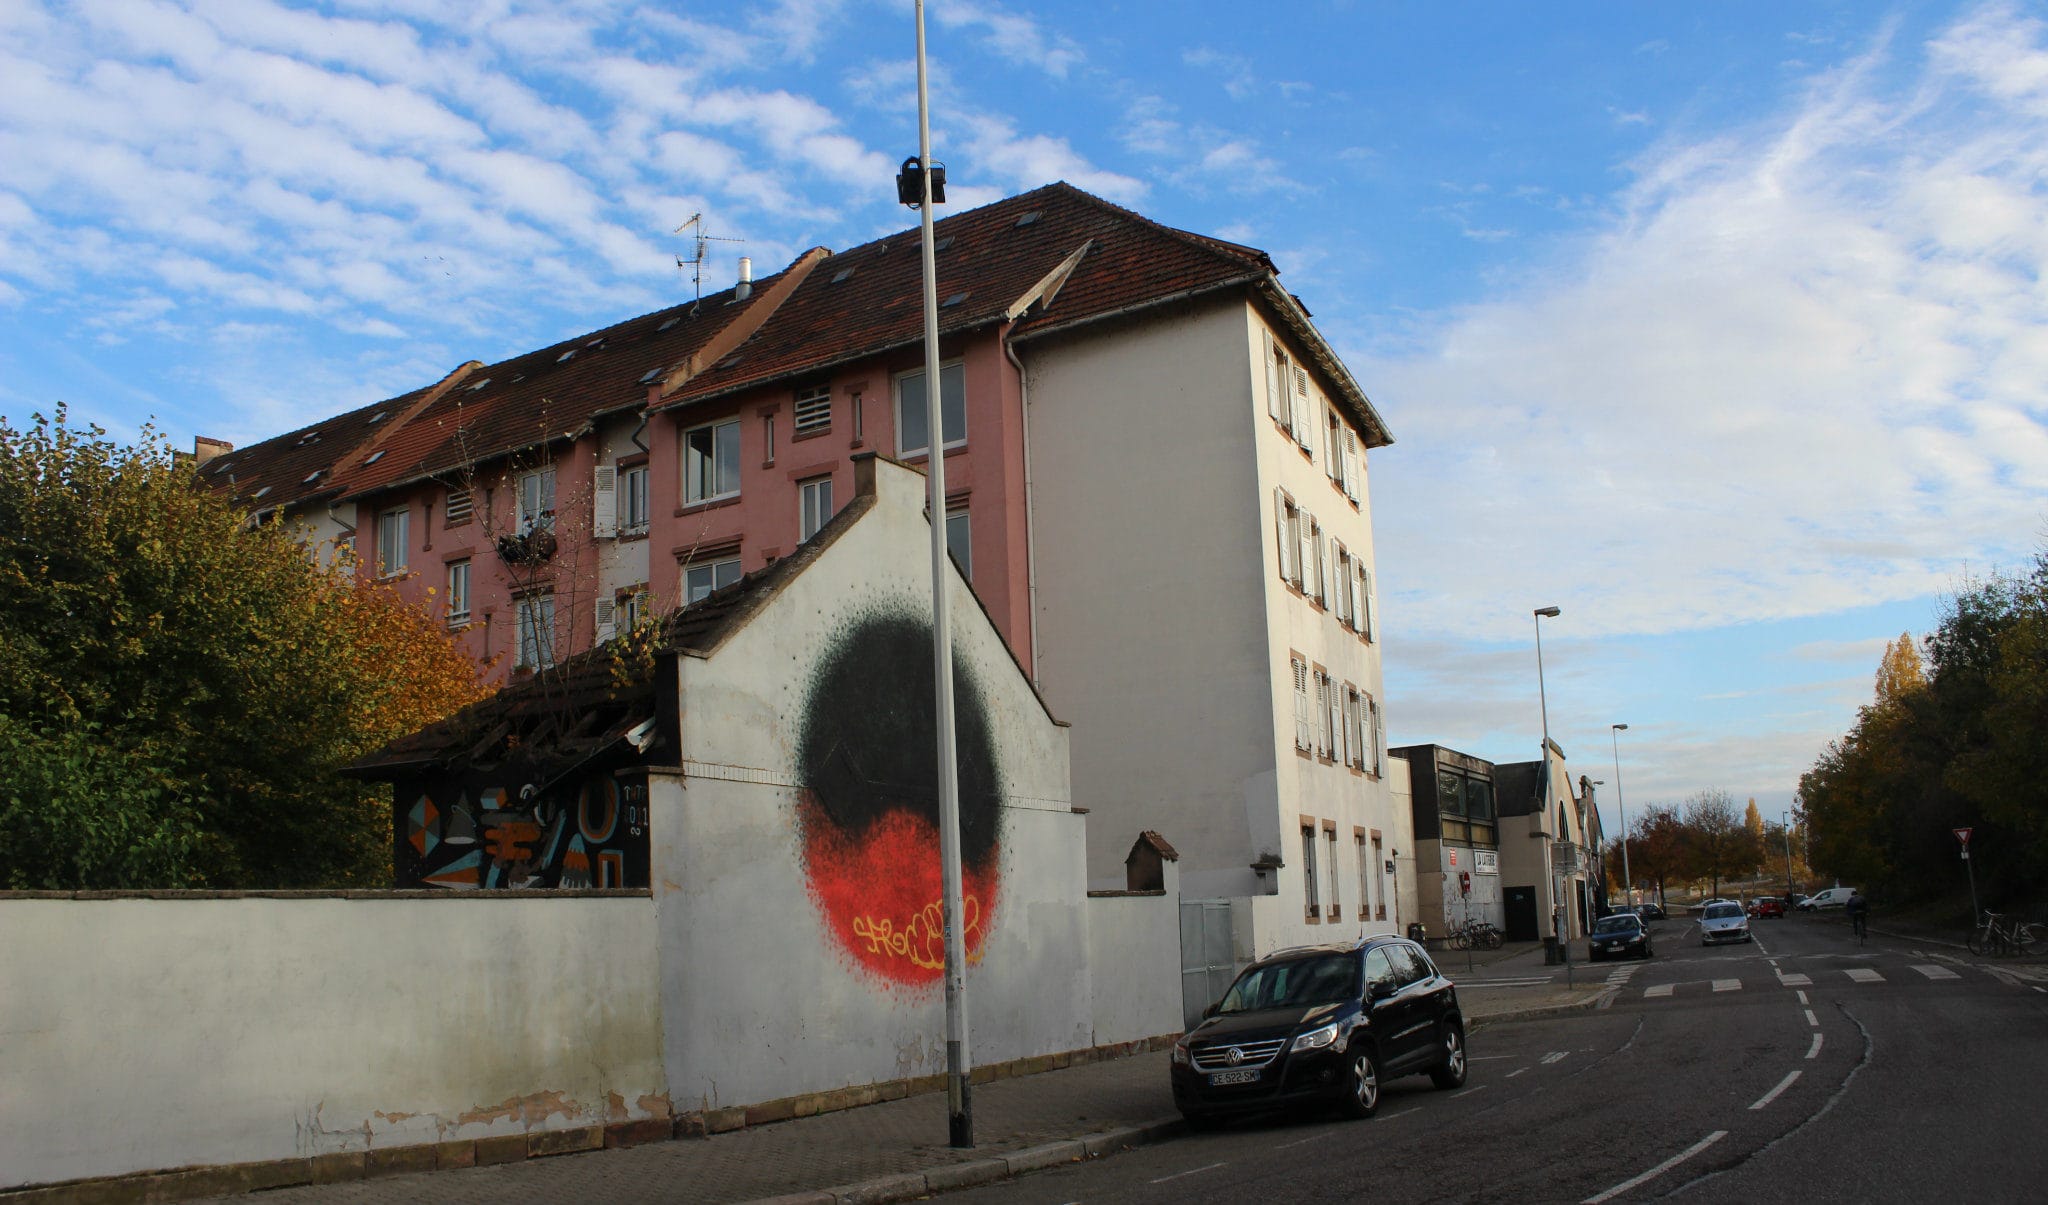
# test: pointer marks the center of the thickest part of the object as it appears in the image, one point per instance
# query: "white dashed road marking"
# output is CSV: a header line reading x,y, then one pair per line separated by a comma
x,y
1662,989
1794,979
1512,1074
1864,975
1937,972
1813,1051
1555,1056
1660,1169
1811,1019
1727,985
1802,997
1190,1172
1774,1093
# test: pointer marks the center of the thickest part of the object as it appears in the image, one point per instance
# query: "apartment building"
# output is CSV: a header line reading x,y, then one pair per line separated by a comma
x,y
1157,477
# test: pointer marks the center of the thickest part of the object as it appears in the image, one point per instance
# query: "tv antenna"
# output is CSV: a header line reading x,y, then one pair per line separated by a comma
x,y
701,241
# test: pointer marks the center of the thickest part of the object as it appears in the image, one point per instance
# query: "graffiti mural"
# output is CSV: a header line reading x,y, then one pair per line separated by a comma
x,y
471,834
868,807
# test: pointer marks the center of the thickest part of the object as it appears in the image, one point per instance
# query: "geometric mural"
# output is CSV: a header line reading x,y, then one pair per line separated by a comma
x,y
868,805
468,833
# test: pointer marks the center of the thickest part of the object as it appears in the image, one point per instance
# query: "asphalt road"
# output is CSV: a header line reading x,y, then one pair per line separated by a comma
x,y
1800,1068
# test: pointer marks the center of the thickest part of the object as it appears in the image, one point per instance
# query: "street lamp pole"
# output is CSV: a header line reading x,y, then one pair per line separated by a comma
x,y
1628,885
1786,816
1557,918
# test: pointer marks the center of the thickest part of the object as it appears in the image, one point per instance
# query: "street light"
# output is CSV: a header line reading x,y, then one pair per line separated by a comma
x,y
1628,885
1786,816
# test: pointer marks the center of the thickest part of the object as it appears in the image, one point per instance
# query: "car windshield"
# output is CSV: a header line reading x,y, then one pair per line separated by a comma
x,y
1615,924
1723,911
1304,981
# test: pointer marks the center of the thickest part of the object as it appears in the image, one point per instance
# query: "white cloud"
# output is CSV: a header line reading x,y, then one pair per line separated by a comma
x,y
1798,372
1011,36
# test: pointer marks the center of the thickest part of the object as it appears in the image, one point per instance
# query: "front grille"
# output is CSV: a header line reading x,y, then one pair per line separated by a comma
x,y
1216,1057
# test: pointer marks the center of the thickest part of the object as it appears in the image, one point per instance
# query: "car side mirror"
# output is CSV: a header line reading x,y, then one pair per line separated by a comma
x,y
1208,1011
1379,990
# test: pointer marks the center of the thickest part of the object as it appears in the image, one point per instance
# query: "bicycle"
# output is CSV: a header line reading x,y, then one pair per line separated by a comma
x,y
1997,933
1476,934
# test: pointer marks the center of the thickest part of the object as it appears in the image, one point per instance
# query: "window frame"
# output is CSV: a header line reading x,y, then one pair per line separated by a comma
x,y
543,510
805,406
896,389
811,517
712,566
534,632
458,599
1311,902
635,514
389,565
692,496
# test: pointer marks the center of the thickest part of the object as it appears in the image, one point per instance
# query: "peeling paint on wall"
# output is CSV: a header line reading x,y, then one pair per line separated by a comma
x,y
868,803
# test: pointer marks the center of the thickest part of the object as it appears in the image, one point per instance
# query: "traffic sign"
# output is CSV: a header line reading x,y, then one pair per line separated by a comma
x,y
1963,835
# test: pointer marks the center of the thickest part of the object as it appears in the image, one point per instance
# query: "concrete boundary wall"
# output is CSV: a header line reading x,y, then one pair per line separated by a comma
x,y
1134,962
148,1031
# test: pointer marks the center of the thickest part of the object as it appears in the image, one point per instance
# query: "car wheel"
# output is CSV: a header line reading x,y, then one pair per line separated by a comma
x,y
1363,1098
1450,1073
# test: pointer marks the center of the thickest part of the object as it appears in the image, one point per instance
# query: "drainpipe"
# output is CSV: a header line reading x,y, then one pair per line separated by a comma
x,y
1030,526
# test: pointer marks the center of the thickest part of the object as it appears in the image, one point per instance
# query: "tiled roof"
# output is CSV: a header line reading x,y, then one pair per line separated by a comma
x,y
550,394
871,298
298,467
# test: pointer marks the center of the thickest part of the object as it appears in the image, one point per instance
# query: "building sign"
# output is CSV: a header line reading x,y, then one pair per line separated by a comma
x,y
1486,861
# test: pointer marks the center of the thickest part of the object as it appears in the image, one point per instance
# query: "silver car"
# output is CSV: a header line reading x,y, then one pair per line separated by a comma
x,y
1723,921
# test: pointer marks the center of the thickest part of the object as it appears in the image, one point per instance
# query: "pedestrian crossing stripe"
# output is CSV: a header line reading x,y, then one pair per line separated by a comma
x,y
1662,989
1727,985
1864,975
1794,980
1933,971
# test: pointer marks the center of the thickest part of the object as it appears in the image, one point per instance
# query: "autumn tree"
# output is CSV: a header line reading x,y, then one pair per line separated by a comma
x,y
1716,843
1656,846
178,686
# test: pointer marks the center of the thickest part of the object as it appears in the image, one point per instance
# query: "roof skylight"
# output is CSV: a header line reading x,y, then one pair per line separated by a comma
x,y
842,275
567,355
952,301
313,476
1031,217
671,322
260,493
943,243
650,376
377,418
373,457
480,384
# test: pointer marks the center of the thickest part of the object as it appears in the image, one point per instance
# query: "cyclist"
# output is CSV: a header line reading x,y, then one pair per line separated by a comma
x,y
1858,909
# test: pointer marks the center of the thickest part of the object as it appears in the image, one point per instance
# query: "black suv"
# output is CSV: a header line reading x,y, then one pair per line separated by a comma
x,y
1323,1024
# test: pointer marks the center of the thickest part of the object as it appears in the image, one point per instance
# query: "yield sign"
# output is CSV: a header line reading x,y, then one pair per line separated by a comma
x,y
1962,835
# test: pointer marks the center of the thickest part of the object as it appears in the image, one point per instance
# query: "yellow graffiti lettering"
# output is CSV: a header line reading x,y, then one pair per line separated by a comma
x,y
923,940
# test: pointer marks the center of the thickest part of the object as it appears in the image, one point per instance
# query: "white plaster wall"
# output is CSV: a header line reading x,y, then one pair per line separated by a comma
x,y
1134,950
1151,621
139,1034
762,1001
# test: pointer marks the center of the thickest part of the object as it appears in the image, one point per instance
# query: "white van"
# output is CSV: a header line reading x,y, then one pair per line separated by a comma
x,y
1833,897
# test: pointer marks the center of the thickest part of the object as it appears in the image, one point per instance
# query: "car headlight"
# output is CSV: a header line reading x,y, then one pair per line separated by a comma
x,y
1316,1039
1180,1053
1634,941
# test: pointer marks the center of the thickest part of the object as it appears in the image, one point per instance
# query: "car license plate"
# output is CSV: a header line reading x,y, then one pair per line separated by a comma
x,y
1233,1077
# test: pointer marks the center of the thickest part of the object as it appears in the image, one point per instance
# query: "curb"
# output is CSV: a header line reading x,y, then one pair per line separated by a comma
x,y
909,1186
1540,1012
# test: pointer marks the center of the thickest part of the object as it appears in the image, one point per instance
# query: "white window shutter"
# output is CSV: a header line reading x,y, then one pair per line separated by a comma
x,y
1284,540
1333,463
1298,408
1276,395
1342,603
1365,591
1304,576
604,503
1352,588
607,619
1351,481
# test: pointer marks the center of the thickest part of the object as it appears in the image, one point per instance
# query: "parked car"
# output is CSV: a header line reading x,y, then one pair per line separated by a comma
x,y
1650,912
1622,933
1766,905
1794,899
1321,1025
1833,897
1722,921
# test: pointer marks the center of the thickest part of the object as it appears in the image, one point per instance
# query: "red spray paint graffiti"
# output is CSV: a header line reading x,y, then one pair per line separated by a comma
x,y
869,813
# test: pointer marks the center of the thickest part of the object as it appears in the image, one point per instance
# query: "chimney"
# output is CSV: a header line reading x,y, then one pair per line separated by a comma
x,y
745,288
205,448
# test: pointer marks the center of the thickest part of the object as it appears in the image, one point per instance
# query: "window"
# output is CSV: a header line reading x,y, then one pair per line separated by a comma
x,y
1377,747
458,508
1306,532
537,499
1354,749
816,498
1379,969
1308,869
912,431
1318,573
633,607
1330,842
1365,875
704,577
1287,533
1327,734
1354,475
767,439
1342,576
1277,376
391,542
960,542
1298,413
859,417
633,500
1364,601
1380,887
1303,724
1333,444
814,410
711,462
458,593
620,613
537,631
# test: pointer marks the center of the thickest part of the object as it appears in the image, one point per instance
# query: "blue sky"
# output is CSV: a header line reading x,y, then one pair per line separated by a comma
x,y
1719,326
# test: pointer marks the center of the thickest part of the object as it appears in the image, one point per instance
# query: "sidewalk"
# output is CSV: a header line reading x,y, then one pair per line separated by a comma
x,y
896,1150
